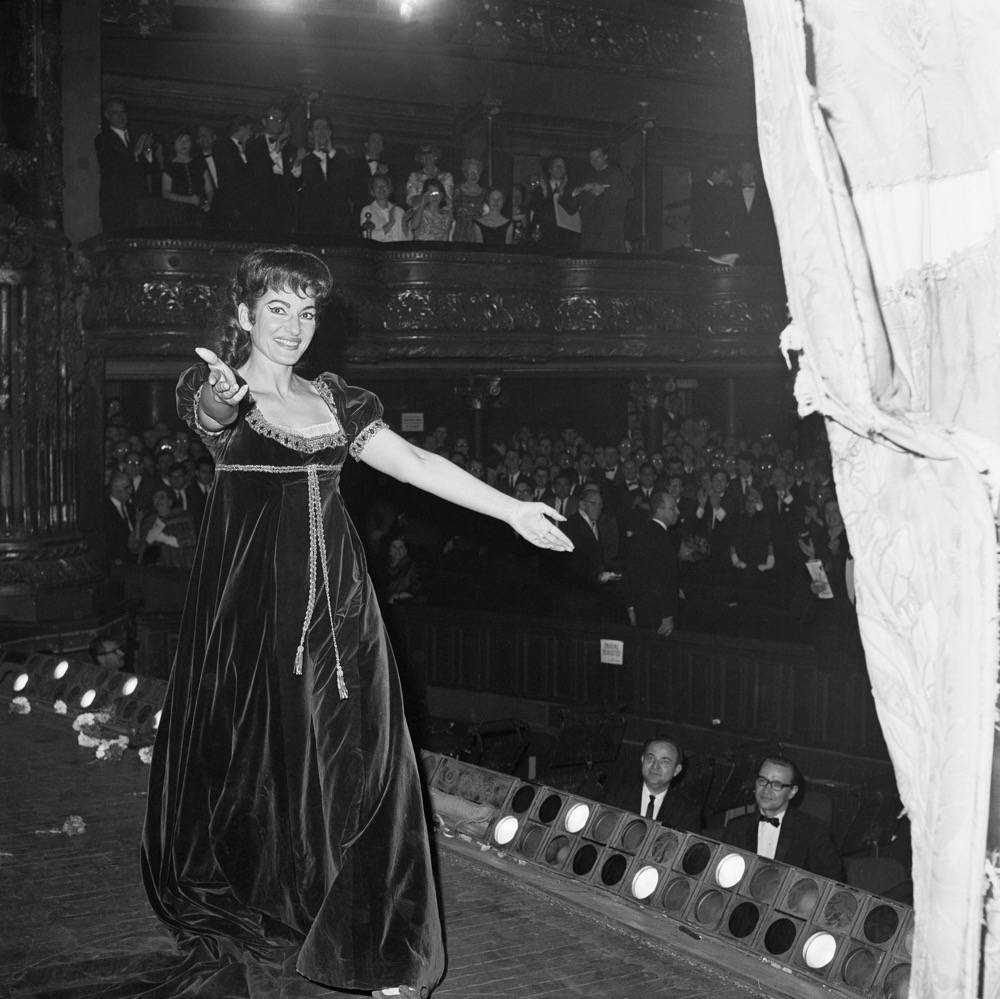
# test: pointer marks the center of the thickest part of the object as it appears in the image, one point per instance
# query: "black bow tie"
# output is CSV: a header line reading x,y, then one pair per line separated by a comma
x,y
761,817
208,156
372,159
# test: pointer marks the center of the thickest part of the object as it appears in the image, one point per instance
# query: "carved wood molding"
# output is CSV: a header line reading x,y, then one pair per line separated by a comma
x,y
152,297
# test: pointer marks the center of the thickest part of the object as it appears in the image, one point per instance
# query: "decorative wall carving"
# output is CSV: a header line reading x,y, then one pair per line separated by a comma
x,y
640,40
424,304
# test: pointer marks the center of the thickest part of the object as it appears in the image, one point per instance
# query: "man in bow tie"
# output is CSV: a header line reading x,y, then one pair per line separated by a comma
x,y
753,228
370,164
782,833
325,196
232,206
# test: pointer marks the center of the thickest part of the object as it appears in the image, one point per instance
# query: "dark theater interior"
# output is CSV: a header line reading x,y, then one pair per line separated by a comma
x,y
540,242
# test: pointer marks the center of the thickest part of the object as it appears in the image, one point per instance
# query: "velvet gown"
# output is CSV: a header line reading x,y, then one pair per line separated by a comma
x,y
285,824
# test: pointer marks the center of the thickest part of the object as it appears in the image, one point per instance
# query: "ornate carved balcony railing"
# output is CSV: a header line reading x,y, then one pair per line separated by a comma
x,y
438,306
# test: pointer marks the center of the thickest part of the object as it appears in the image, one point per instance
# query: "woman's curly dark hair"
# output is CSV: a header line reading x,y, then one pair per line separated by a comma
x,y
260,272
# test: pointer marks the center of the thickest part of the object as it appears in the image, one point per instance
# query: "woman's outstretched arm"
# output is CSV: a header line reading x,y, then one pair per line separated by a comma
x,y
389,453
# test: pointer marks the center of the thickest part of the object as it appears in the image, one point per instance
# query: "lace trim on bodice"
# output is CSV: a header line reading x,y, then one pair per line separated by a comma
x,y
299,440
359,442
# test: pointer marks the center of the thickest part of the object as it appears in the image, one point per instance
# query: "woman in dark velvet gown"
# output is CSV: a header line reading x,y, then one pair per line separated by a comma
x,y
285,829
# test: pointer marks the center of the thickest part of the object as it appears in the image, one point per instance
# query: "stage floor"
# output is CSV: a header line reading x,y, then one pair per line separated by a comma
x,y
76,901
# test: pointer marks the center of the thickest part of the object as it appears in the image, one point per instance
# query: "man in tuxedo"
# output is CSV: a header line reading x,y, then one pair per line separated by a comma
x,y
756,238
274,163
563,500
714,212
231,208
651,590
654,797
782,833
593,580
325,202
123,162
370,164
120,538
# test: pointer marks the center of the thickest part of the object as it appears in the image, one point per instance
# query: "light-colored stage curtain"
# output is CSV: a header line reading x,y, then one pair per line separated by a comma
x,y
878,123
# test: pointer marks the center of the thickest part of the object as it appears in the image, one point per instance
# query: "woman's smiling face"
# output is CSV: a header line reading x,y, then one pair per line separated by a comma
x,y
282,325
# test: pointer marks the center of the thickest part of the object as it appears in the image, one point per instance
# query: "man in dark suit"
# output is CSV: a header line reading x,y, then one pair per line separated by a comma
x,y
782,833
231,208
325,194
756,238
651,591
714,212
123,162
654,797
274,163
362,170
591,588
120,538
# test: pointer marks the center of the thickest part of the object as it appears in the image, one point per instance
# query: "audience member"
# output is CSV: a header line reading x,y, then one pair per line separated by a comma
x,y
273,162
654,796
325,186
170,532
427,156
124,163
651,573
401,579
592,582
756,239
521,229
185,182
432,219
107,652
121,527
779,832
714,211
205,165
494,228
558,225
381,220
602,196
233,205
469,202
367,167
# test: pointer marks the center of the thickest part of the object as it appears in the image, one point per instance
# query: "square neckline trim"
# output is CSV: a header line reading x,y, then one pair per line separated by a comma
x,y
297,438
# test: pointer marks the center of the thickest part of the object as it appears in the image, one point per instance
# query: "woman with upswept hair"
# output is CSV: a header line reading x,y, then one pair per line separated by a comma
x,y
285,837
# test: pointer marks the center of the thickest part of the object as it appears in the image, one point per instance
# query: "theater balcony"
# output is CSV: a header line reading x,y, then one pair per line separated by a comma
x,y
438,308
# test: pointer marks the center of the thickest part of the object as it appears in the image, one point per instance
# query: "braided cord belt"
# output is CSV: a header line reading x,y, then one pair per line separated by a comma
x,y
317,553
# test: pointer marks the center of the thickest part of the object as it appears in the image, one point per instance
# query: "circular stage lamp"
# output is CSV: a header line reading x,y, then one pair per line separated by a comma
x,y
21,681
506,830
60,669
730,870
819,950
88,697
576,817
130,685
644,882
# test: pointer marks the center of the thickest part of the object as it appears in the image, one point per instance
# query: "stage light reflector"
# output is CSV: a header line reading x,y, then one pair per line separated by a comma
x,y
765,882
730,870
523,797
557,851
676,894
780,935
604,826
743,920
840,909
708,909
505,830
696,857
819,950
576,817
584,859
664,847
130,685
633,835
21,681
613,869
860,967
549,809
644,882
802,897
531,841
880,924
88,697
61,669
896,984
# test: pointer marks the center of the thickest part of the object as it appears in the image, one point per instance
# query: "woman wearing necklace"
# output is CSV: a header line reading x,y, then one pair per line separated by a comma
x,y
285,839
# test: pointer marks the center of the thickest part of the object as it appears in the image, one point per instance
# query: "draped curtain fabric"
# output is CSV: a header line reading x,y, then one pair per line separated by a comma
x,y
879,131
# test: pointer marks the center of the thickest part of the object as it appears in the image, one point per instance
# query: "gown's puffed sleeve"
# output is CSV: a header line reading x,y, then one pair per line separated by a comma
x,y
360,413
189,389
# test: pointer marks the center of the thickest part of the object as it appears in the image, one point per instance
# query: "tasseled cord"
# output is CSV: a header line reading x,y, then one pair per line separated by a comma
x,y
317,553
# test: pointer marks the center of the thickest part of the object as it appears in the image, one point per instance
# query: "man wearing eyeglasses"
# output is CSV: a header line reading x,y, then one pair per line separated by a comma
x,y
782,833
